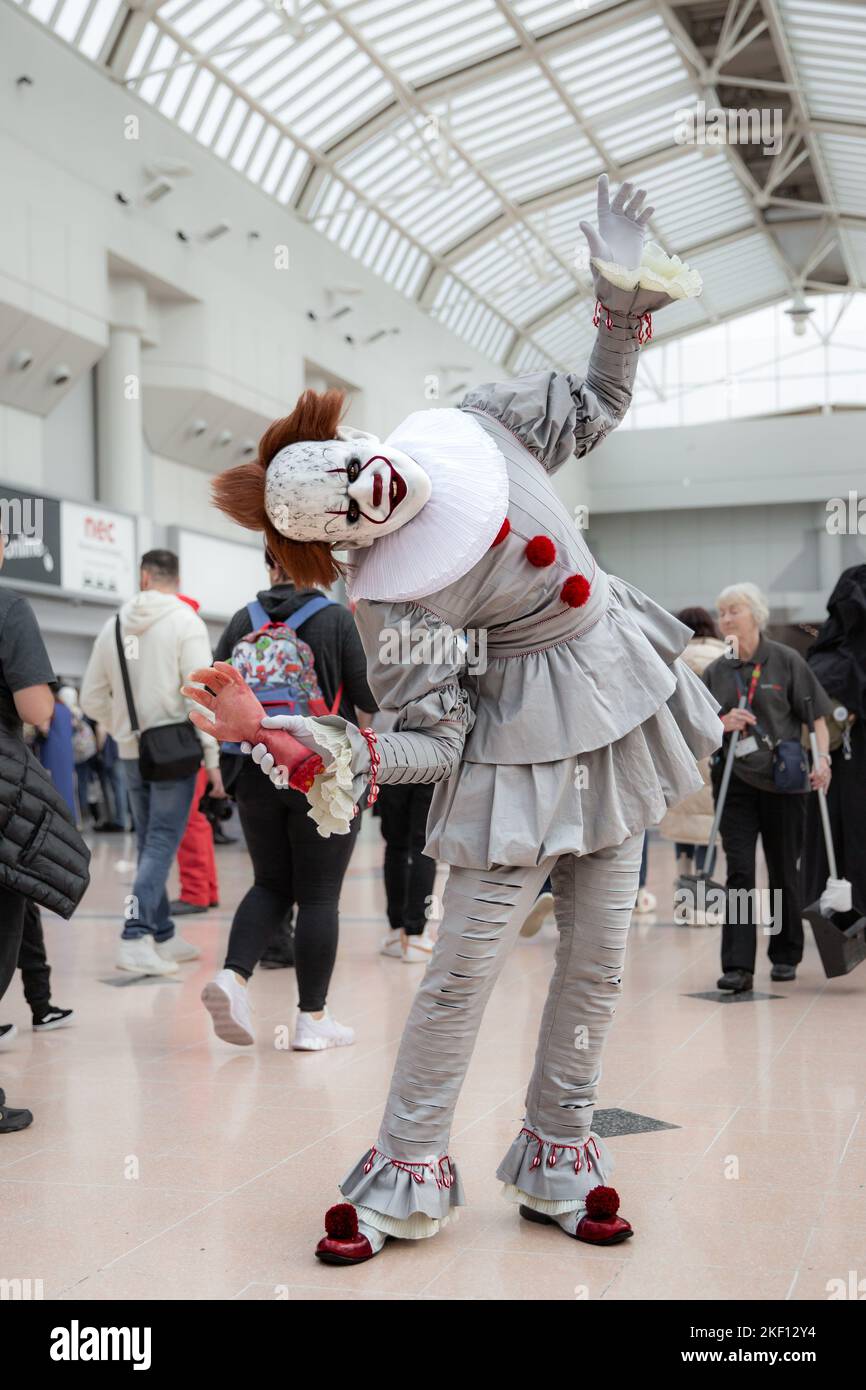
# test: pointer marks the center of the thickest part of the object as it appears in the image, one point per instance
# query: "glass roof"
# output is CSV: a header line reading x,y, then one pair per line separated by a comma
x,y
452,146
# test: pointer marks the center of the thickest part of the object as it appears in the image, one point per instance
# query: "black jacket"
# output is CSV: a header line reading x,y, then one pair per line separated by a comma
x,y
331,635
42,855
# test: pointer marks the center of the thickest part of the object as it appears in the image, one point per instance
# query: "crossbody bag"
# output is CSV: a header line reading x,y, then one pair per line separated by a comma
x,y
168,752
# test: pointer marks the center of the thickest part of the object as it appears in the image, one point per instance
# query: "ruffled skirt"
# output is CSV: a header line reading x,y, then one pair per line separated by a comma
x,y
520,813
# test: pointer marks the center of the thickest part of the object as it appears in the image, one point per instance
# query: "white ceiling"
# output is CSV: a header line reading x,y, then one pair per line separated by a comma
x,y
452,146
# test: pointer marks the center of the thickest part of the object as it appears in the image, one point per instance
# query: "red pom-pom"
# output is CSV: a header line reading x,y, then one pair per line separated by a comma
x,y
501,533
540,551
602,1203
575,591
341,1221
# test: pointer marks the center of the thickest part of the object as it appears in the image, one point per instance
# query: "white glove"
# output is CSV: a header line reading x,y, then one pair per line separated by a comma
x,y
621,225
297,726
836,896
265,760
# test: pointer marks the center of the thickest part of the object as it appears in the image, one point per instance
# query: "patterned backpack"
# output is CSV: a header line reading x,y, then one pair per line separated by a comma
x,y
278,666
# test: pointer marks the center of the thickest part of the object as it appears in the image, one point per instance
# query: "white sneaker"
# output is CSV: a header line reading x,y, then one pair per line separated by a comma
x,y
228,1004
8,1034
416,948
315,1034
538,914
646,901
139,957
175,948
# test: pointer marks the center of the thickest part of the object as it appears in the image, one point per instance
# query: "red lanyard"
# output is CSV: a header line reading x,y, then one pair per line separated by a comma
x,y
753,685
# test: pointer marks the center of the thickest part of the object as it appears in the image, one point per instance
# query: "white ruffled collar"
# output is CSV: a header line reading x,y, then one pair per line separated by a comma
x,y
458,523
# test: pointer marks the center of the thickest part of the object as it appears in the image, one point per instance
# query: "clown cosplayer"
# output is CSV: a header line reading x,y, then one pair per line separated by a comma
x,y
551,756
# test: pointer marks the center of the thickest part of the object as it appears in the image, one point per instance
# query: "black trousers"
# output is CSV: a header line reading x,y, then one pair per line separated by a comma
x,y
12,907
779,820
409,873
33,962
292,863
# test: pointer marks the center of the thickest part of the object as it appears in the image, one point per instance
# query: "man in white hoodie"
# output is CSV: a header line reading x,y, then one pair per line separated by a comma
x,y
170,641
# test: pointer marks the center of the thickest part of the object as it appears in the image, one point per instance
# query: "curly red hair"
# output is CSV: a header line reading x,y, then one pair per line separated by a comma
x,y
240,491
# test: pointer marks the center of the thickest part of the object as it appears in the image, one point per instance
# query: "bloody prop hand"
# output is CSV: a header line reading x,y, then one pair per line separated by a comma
x,y
237,717
235,709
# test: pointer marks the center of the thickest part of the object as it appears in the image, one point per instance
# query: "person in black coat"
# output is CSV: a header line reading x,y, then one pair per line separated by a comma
x,y
838,659
25,697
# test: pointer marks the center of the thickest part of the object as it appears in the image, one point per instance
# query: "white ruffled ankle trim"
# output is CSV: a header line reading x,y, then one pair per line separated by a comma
x,y
657,271
418,1226
543,1204
332,805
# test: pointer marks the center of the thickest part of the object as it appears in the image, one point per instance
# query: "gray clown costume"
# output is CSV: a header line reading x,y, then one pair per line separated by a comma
x,y
579,728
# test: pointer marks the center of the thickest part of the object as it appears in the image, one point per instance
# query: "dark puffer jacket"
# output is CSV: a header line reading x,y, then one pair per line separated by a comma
x,y
42,855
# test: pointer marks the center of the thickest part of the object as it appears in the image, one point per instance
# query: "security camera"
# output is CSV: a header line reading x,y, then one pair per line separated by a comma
x,y
21,360
213,232
224,437
61,374
157,190
248,447
198,428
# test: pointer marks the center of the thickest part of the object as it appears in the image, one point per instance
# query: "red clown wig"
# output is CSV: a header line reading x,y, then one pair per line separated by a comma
x,y
240,491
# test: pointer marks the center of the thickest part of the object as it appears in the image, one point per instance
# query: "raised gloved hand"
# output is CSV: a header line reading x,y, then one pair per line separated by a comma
x,y
630,275
622,225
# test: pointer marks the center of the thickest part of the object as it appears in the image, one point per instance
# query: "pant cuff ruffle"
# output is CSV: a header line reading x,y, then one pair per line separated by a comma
x,y
408,1200
555,1172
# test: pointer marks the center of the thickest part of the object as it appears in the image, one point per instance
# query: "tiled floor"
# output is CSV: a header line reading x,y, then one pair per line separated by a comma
x,y
163,1163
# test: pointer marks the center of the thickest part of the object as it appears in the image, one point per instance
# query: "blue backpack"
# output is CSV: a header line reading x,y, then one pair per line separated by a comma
x,y
278,666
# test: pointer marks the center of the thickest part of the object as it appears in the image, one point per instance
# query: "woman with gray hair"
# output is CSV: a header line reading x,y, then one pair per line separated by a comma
x,y
767,793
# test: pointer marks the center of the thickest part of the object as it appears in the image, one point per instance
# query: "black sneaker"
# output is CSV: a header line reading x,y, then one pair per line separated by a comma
x,y
52,1018
735,981
783,972
13,1120
180,908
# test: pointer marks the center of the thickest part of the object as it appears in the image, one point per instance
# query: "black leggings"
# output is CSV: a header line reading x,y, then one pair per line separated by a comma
x,y
292,863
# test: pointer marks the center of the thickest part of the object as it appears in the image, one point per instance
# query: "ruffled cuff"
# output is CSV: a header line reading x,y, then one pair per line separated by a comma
x,y
410,1200
331,798
555,1173
658,272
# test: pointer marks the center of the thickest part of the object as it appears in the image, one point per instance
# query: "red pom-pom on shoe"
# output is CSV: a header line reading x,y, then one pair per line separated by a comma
x,y
575,591
540,551
602,1203
501,533
341,1221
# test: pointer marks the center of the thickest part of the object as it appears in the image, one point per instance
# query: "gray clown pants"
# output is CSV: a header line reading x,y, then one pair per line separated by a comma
x,y
408,1182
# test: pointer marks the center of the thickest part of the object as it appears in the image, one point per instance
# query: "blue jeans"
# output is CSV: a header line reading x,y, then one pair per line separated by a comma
x,y
117,781
160,811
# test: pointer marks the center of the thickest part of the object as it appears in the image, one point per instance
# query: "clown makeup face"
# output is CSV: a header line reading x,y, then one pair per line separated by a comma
x,y
346,492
